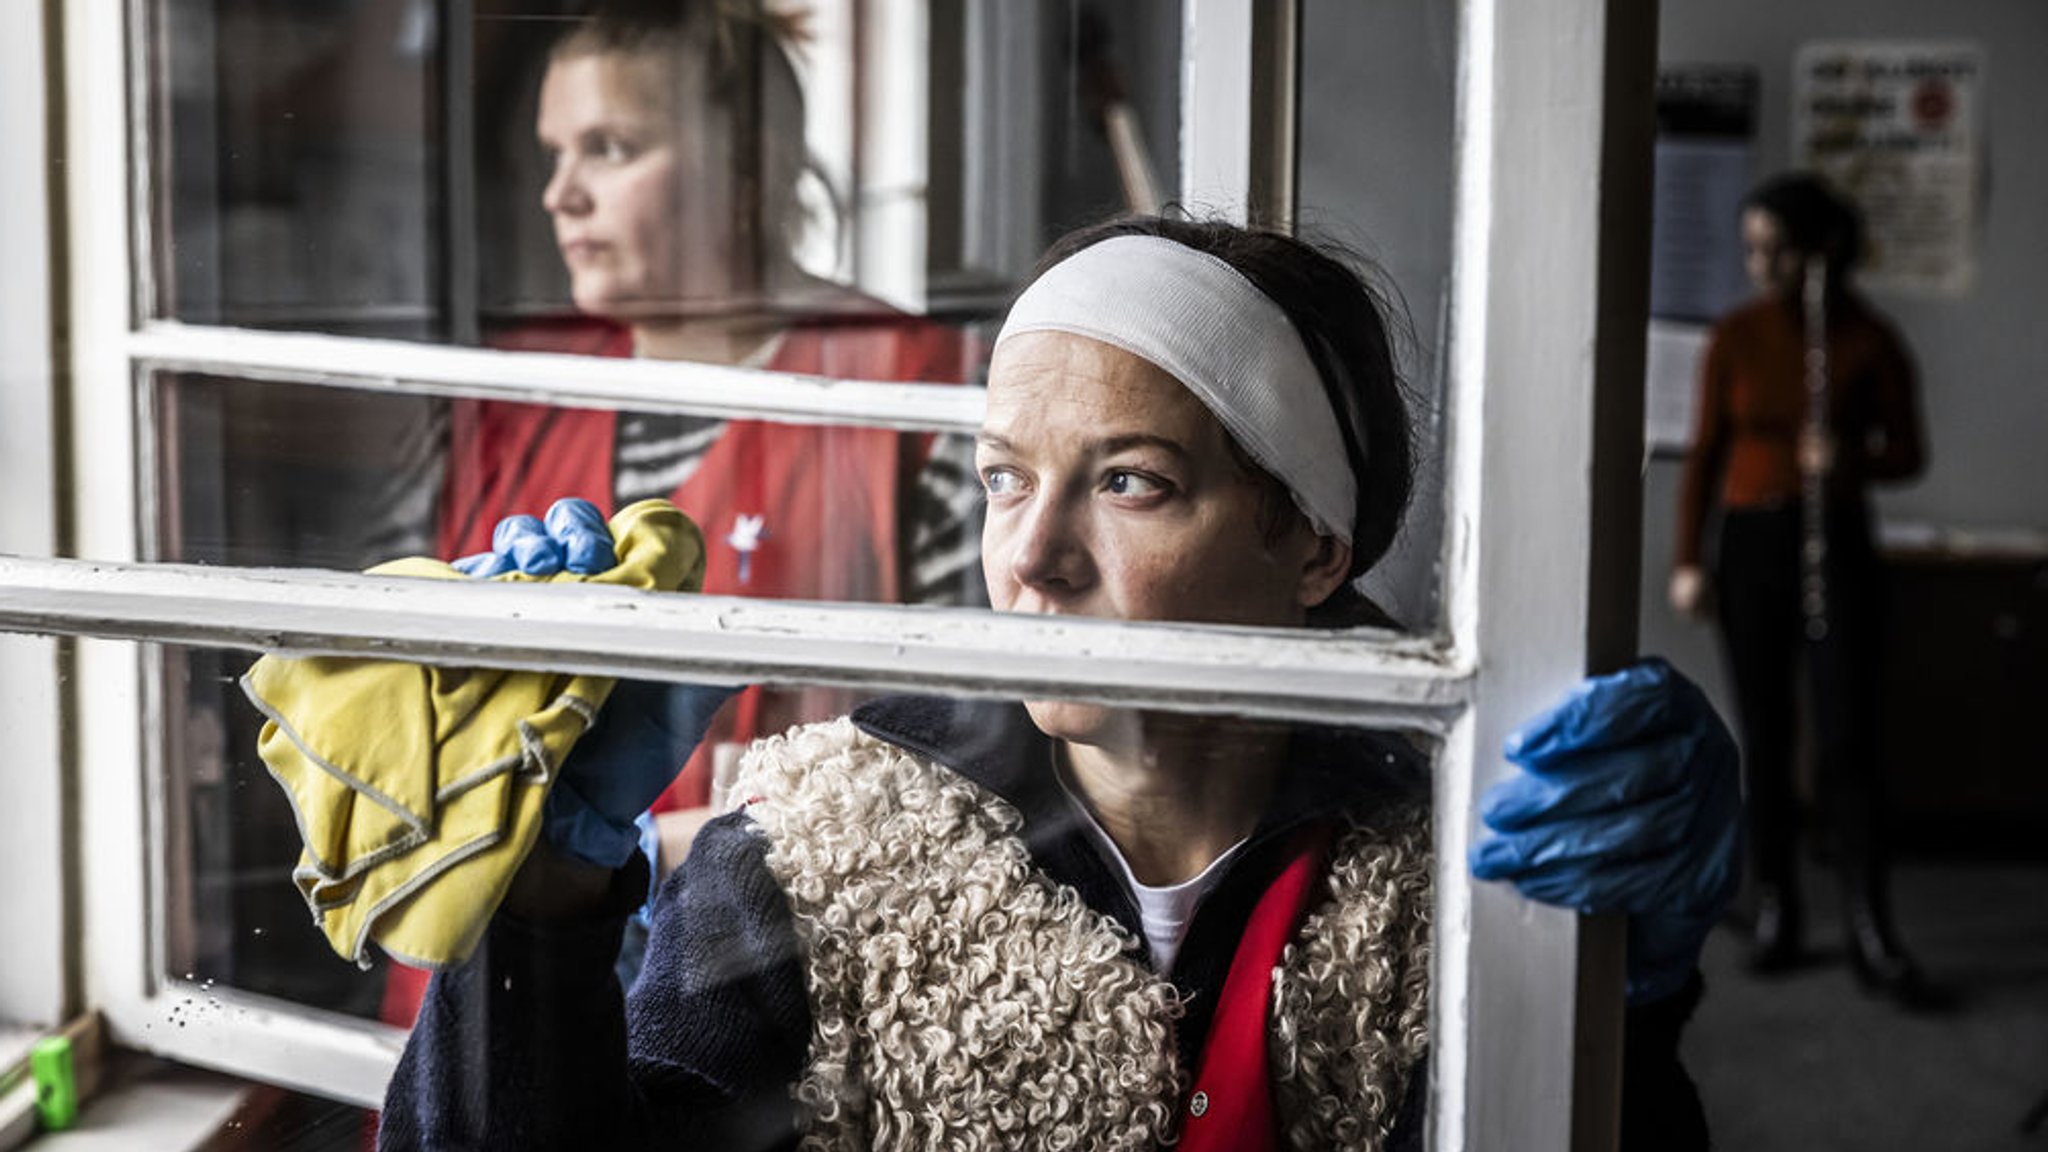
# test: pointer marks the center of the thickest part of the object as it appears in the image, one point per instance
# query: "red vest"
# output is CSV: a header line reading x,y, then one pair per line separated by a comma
x,y
828,499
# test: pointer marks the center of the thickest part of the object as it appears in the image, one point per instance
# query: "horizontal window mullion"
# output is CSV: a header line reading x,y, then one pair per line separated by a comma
x,y
555,378
613,631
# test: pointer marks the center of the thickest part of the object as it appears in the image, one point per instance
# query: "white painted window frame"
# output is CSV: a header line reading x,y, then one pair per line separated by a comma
x,y
35,952
1539,335
1542,514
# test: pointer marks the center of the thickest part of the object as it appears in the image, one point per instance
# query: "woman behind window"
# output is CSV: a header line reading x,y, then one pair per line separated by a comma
x,y
1045,923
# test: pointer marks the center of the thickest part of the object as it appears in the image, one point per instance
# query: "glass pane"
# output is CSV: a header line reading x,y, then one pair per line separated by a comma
x,y
1378,143
699,175
572,128
266,473
1166,889
285,1121
1102,488
298,166
236,920
258,474
239,920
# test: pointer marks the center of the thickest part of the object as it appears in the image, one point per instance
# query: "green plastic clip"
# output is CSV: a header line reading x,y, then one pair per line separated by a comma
x,y
56,1082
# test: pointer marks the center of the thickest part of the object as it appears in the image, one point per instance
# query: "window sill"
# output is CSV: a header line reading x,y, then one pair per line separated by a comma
x,y
151,1104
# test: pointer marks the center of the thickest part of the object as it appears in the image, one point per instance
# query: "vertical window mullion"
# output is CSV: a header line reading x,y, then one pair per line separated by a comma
x,y
1542,317
34,942
104,184
1216,114
457,110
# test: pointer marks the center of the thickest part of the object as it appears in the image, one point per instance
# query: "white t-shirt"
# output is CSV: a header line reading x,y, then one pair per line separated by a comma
x,y
1163,912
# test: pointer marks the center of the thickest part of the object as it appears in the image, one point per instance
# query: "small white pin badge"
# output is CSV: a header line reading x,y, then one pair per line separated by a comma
x,y
745,539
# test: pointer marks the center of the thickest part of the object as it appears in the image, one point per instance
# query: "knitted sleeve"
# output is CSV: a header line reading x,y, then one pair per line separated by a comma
x,y
531,1045
719,1022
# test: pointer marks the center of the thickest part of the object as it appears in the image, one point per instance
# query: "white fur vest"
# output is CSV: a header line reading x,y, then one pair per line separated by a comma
x,y
961,999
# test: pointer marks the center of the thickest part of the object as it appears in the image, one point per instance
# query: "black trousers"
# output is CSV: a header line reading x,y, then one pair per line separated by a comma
x,y
1764,628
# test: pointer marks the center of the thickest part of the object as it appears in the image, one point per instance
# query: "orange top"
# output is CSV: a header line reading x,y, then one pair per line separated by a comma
x,y
1745,448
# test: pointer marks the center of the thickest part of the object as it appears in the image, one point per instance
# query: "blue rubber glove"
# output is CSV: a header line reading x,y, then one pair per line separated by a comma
x,y
575,536
646,730
1629,800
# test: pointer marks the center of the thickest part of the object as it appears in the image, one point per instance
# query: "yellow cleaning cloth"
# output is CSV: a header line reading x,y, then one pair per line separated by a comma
x,y
418,789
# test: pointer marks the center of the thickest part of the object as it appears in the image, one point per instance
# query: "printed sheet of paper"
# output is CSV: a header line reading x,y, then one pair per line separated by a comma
x,y
1671,385
1706,130
1898,127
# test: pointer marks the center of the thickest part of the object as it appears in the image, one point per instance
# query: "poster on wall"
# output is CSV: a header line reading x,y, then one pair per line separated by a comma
x,y
1671,384
1706,137
1898,127
1706,132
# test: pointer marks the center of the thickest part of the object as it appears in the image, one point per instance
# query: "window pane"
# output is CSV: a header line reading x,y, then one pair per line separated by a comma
x,y
266,473
1378,141
699,176
257,473
1099,487
236,920
913,858
298,166
286,1121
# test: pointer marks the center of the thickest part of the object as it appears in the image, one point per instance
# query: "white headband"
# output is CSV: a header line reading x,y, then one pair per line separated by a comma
x,y
1200,320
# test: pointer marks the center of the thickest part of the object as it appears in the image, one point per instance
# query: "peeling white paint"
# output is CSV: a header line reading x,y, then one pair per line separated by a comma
x,y
624,632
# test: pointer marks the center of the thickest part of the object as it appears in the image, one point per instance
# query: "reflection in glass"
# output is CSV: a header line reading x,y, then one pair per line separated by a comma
x,y
272,474
407,168
260,473
298,166
269,473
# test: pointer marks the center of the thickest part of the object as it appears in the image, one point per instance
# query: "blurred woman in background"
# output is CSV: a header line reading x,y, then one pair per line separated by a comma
x,y
1807,399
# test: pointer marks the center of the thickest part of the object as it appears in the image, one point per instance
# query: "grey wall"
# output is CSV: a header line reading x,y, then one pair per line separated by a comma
x,y
1377,142
1376,173
1984,356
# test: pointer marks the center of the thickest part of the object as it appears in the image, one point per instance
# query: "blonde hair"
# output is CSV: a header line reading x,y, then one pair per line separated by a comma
x,y
729,62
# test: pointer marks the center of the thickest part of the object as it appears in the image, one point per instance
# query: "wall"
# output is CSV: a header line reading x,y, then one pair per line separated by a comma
x,y
1984,356
1378,121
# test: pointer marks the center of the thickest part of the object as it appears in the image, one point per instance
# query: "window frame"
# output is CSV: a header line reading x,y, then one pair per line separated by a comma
x,y
40,989
1540,501
1545,450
